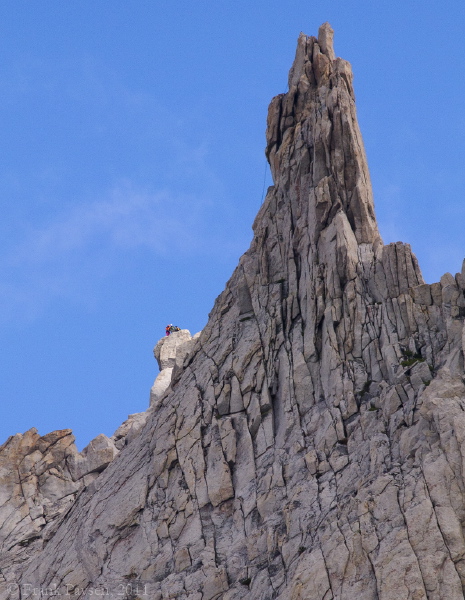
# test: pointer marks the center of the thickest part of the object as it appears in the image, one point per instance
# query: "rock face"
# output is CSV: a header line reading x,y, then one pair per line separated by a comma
x,y
311,441
40,479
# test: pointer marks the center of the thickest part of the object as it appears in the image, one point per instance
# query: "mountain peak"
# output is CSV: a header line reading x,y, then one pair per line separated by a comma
x,y
309,443
314,142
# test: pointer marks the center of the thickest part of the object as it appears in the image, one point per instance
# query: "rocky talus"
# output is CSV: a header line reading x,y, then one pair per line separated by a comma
x,y
309,444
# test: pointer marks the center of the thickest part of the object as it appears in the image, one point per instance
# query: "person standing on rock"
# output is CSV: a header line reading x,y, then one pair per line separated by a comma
x,y
168,329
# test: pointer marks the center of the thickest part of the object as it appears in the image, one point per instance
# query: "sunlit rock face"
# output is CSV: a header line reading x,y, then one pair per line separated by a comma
x,y
170,353
310,443
40,479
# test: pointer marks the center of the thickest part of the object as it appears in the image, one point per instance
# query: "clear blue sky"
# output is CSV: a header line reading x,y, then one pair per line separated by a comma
x,y
132,166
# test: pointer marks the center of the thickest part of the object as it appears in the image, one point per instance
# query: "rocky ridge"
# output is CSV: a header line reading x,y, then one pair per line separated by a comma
x,y
41,476
310,442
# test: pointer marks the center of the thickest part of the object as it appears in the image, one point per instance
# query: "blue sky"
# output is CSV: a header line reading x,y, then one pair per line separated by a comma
x,y
132,166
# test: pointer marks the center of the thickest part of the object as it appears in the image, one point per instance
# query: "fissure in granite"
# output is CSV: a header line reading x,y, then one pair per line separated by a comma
x,y
309,443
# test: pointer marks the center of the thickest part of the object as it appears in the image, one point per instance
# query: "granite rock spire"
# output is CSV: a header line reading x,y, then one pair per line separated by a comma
x,y
310,442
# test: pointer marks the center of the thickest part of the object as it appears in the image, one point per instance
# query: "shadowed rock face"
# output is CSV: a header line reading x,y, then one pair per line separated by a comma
x,y
311,443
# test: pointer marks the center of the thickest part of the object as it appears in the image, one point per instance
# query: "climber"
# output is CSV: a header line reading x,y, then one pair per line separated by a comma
x,y
168,329
174,328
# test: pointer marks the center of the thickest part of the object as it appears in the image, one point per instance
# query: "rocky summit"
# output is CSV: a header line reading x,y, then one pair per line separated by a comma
x,y
308,444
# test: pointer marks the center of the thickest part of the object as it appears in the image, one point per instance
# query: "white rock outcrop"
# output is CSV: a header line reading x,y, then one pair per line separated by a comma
x,y
170,353
310,442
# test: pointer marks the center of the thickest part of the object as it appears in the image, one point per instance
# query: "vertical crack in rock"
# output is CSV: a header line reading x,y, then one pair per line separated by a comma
x,y
309,443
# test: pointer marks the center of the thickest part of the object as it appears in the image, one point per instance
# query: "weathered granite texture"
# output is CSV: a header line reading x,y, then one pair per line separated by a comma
x,y
170,353
40,479
311,445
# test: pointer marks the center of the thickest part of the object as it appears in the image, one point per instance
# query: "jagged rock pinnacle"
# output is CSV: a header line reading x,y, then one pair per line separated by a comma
x,y
310,442
314,144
